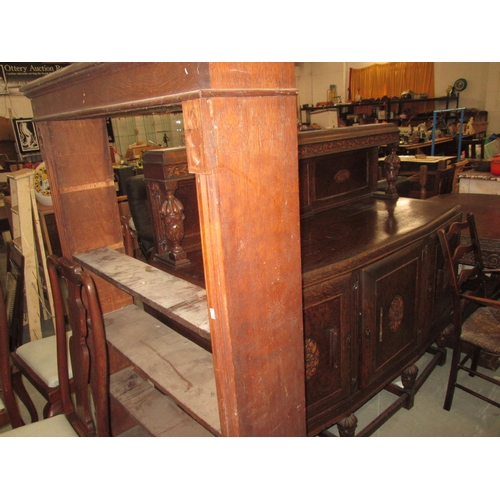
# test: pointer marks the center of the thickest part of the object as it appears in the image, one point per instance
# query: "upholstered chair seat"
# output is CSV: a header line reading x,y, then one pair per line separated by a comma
x,y
41,356
57,426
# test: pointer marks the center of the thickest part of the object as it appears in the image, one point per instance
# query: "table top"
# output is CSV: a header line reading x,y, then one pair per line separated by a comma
x,y
417,145
349,236
485,207
426,159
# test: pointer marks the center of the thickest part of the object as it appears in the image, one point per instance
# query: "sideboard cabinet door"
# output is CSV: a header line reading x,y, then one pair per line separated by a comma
x,y
391,320
328,342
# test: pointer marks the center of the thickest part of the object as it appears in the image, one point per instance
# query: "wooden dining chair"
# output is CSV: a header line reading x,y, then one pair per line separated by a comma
x,y
88,413
35,360
476,318
442,182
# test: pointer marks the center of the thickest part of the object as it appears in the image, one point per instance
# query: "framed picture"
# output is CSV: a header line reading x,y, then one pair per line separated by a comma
x,y
26,136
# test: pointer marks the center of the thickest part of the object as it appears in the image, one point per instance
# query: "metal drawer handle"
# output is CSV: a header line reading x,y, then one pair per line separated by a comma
x,y
380,333
334,338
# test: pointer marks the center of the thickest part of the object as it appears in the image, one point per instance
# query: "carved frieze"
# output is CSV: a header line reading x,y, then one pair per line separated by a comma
x,y
345,144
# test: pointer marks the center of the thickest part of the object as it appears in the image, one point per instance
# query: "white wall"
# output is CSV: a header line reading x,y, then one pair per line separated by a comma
x,y
476,74
482,92
314,79
493,98
15,106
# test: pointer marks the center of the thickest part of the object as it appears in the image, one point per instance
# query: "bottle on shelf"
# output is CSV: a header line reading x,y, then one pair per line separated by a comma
x,y
331,94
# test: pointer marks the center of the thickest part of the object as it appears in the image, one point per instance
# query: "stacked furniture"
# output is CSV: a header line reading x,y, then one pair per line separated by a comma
x,y
315,295
364,261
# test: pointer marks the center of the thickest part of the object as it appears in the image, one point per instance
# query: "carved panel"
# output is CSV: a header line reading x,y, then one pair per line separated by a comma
x,y
396,311
326,331
336,176
391,298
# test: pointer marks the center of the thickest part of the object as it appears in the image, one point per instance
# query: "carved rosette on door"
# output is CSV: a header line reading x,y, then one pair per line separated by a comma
x,y
327,344
313,353
312,357
396,312
391,311
341,176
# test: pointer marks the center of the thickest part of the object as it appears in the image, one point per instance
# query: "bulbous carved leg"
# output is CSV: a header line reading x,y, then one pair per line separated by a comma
x,y
347,426
408,378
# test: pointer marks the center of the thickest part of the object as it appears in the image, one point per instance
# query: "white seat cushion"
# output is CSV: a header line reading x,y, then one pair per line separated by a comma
x,y
41,355
2,406
57,426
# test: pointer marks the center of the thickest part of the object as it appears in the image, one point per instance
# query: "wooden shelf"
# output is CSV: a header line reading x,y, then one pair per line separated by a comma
x,y
174,297
176,366
390,105
156,413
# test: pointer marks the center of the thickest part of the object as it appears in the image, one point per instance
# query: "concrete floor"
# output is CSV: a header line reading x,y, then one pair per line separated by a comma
x,y
469,416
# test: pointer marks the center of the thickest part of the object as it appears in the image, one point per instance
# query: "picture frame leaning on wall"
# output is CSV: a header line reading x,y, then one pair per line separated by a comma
x,y
26,136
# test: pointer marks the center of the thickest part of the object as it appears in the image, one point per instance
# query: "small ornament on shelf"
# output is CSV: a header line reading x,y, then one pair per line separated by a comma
x,y
391,169
392,165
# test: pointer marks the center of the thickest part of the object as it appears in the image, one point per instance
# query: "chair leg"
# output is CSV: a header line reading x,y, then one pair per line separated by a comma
x,y
20,390
475,360
455,360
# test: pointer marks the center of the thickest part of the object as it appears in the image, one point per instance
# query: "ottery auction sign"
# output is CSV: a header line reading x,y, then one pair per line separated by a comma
x,y
13,76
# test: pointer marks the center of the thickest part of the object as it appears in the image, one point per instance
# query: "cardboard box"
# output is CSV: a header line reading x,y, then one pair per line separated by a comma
x,y
137,149
327,118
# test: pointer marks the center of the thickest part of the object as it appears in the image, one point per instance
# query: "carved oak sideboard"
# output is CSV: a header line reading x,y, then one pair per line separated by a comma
x,y
373,297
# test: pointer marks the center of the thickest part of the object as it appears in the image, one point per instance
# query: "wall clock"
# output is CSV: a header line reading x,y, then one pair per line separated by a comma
x,y
460,84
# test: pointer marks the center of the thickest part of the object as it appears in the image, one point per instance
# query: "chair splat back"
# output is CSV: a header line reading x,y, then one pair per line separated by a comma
x,y
14,295
9,398
456,246
88,413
